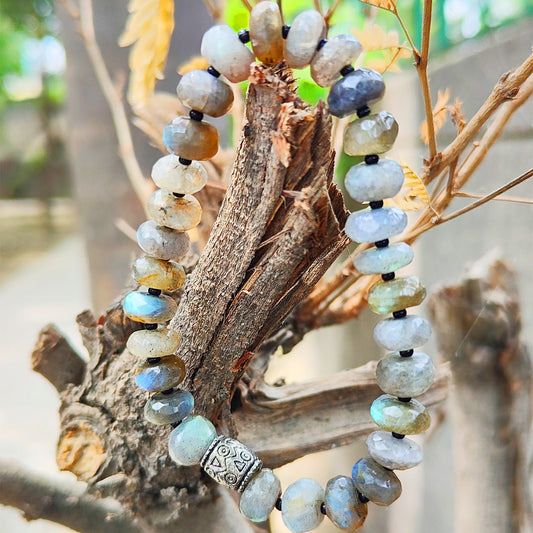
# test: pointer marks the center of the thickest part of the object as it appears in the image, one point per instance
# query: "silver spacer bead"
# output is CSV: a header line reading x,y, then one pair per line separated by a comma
x,y
230,463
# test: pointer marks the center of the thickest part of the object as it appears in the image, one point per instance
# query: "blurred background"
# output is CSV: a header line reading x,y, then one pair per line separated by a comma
x,y
63,188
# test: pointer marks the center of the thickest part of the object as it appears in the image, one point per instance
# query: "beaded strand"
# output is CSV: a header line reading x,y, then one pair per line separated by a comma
x,y
402,375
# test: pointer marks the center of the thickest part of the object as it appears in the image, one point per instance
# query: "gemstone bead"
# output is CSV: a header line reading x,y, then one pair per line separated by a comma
x,y
171,408
191,139
307,30
378,484
369,183
405,376
358,89
397,294
383,260
181,214
374,134
406,418
223,49
398,334
162,376
202,92
160,342
393,453
161,242
265,32
148,309
190,440
371,225
168,173
343,506
158,274
260,495
328,62
300,505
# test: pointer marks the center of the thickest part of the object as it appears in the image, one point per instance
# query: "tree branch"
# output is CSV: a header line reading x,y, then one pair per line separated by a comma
x,y
55,359
477,322
64,503
141,186
284,423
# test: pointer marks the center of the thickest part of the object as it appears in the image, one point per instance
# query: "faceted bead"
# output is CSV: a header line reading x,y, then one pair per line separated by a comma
x,y
160,342
393,453
378,484
398,334
307,30
181,214
405,376
374,134
161,376
369,183
406,418
336,53
191,139
265,32
168,173
358,89
395,295
202,92
171,408
190,440
300,504
161,242
158,273
149,309
383,260
343,506
223,49
260,495
371,225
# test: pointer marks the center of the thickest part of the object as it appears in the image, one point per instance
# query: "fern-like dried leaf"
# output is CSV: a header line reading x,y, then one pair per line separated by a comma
x,y
389,5
413,195
195,63
440,114
149,28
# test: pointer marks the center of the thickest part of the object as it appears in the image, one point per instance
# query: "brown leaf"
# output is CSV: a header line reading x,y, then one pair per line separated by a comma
x,y
456,114
440,114
389,5
149,28
413,195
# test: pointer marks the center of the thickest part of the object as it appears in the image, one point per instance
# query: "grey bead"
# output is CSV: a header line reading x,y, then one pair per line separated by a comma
x,y
260,496
343,506
168,408
393,453
374,134
190,440
383,260
378,484
307,30
358,89
402,333
371,225
368,183
300,505
336,53
162,242
199,90
405,376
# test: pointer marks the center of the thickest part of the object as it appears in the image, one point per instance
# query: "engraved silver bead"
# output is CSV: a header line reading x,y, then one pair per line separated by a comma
x,y
230,463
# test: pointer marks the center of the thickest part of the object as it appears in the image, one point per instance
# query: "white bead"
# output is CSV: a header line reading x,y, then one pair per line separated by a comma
x,y
223,49
168,173
307,30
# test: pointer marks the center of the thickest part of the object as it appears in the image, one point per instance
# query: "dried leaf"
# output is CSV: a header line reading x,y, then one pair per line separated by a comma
x,y
375,39
149,28
389,5
195,63
413,194
456,113
440,114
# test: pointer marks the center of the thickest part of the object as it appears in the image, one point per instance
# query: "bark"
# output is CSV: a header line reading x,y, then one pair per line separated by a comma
x,y
478,328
